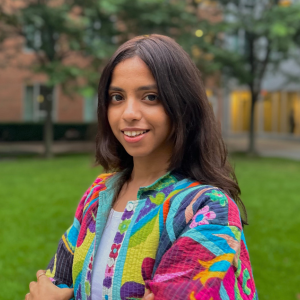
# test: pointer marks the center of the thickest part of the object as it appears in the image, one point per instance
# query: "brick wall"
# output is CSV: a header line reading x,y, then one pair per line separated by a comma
x,y
10,96
13,79
69,108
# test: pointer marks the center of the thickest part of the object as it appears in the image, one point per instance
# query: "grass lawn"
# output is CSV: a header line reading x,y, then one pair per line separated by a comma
x,y
38,201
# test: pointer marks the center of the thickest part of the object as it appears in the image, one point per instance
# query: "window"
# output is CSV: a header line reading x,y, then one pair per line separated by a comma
x,y
90,109
240,110
281,112
34,102
28,103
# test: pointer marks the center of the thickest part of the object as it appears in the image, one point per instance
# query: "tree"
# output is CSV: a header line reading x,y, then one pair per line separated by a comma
x,y
266,33
55,32
70,39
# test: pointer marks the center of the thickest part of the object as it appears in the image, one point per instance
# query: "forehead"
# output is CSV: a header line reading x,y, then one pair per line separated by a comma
x,y
132,71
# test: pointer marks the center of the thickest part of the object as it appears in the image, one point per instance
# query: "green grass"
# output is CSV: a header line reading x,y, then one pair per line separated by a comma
x,y
38,201
271,191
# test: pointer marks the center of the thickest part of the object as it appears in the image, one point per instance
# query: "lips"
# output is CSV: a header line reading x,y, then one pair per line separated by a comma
x,y
134,138
134,133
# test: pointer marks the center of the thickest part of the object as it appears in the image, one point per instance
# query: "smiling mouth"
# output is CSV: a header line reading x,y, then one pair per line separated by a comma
x,y
134,133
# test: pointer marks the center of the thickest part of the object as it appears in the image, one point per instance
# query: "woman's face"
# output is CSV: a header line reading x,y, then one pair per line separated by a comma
x,y
135,113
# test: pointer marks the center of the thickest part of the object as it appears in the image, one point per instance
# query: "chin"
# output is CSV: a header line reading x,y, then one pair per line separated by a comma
x,y
137,153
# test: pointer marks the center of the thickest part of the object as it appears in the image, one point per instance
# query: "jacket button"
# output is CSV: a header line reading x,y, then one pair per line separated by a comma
x,y
110,262
129,206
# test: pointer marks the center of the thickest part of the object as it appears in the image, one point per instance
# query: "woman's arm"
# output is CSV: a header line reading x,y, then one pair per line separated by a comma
x,y
209,258
59,270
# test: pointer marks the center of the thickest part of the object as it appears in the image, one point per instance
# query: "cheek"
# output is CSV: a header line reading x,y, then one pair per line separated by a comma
x,y
165,120
163,123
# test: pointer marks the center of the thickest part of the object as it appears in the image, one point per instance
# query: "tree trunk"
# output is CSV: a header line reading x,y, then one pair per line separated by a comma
x,y
48,126
252,148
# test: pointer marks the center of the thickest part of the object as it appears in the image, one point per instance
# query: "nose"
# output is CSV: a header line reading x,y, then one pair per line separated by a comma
x,y
132,110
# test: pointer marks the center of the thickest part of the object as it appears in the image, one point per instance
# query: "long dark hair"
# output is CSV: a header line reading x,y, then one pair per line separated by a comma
x,y
199,152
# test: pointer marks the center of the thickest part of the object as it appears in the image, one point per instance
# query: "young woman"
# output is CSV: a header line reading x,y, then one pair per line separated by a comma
x,y
166,220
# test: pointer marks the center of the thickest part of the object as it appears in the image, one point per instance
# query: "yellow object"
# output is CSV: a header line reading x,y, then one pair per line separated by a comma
x,y
48,272
240,110
196,51
132,271
67,246
209,93
40,98
285,2
199,33
203,276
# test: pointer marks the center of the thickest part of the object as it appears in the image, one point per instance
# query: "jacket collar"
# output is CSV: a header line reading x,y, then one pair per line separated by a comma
x,y
168,179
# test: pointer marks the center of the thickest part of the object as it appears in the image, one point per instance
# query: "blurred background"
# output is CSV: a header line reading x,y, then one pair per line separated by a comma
x,y
51,56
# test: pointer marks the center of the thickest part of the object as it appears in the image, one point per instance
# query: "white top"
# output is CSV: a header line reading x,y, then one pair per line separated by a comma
x,y
102,254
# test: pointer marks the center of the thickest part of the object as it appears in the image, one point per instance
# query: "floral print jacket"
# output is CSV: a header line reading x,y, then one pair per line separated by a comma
x,y
180,239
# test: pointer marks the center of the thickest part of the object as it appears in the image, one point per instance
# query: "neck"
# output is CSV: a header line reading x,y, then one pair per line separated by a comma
x,y
146,170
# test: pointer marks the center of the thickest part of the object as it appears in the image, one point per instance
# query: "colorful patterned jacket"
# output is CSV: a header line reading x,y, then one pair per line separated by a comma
x,y
181,239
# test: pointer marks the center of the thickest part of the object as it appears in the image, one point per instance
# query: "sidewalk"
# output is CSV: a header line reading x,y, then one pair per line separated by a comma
x,y
265,147
29,148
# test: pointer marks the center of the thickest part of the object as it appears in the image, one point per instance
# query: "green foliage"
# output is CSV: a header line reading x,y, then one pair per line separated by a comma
x,y
157,16
111,7
87,92
39,198
252,38
43,27
256,35
91,29
94,28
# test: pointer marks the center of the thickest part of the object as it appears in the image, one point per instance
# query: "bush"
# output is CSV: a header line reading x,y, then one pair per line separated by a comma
x,y
15,132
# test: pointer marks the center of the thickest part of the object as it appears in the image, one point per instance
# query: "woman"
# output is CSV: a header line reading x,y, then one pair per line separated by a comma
x,y
166,219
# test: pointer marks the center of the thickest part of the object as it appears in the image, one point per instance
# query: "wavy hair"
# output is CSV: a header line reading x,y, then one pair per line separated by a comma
x,y
199,152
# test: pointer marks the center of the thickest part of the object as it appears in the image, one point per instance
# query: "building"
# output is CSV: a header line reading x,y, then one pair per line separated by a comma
x,y
22,92
277,112
22,95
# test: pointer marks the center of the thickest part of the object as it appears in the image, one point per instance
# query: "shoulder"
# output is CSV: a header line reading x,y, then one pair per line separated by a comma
x,y
103,178
92,193
204,204
100,184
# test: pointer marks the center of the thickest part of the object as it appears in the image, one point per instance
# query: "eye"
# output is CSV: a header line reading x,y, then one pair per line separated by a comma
x,y
116,98
151,97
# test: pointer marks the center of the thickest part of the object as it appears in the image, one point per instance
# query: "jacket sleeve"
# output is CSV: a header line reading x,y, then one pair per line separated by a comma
x,y
208,259
59,269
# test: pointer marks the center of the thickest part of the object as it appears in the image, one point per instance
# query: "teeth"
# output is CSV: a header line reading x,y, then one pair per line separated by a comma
x,y
134,133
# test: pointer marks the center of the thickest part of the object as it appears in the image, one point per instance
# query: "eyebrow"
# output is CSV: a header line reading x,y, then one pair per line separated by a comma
x,y
141,88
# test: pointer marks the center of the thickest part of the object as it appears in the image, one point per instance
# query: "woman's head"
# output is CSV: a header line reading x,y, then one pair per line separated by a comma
x,y
198,150
180,92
